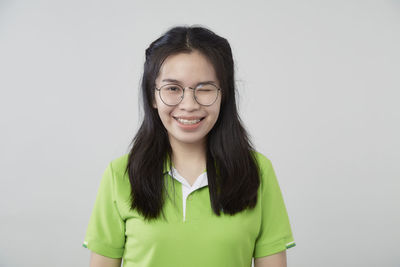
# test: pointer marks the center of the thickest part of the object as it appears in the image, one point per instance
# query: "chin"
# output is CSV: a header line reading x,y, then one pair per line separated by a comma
x,y
189,140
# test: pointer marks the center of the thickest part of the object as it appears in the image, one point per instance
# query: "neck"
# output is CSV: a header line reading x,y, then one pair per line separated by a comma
x,y
185,155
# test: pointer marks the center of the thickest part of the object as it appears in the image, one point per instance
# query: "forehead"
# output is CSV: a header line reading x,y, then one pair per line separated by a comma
x,y
187,67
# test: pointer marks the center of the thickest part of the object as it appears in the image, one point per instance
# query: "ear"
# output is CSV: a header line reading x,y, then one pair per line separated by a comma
x,y
154,104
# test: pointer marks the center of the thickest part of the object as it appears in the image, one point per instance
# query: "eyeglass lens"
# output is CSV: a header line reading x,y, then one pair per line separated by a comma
x,y
172,94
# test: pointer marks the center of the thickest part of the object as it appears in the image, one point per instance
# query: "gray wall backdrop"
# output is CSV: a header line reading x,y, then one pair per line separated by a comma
x,y
318,85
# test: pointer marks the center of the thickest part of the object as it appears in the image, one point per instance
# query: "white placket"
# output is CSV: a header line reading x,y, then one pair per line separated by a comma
x,y
200,182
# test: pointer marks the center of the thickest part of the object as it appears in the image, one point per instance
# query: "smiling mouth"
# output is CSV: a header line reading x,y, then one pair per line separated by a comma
x,y
187,121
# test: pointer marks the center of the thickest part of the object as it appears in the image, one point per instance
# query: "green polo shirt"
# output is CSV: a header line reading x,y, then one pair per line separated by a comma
x,y
195,238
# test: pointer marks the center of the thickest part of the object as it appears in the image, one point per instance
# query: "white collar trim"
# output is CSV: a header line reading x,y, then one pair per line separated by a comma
x,y
200,182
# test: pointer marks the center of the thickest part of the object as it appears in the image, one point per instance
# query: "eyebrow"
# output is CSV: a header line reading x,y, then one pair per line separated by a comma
x,y
176,81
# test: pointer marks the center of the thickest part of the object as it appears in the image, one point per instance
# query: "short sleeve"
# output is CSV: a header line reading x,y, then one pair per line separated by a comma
x,y
275,234
105,234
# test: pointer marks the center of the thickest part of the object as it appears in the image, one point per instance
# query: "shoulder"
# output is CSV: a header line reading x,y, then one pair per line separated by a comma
x,y
263,162
120,179
116,171
118,165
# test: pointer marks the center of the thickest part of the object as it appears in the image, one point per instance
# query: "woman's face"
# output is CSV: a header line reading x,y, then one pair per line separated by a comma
x,y
187,70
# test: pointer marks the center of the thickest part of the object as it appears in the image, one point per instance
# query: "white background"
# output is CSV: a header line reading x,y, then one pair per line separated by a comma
x,y
318,85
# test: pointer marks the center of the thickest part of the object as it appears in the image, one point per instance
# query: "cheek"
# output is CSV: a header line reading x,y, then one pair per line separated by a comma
x,y
214,117
164,113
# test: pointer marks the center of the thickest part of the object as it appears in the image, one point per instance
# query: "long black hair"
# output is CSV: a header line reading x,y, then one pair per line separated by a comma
x,y
232,170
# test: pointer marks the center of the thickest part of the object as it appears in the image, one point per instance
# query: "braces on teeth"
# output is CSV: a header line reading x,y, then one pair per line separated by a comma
x,y
188,121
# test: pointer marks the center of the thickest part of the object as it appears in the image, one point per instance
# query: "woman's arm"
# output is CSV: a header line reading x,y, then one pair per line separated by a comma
x,y
274,260
97,260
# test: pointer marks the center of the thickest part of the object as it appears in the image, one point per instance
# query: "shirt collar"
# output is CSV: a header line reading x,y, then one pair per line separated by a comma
x,y
167,170
200,182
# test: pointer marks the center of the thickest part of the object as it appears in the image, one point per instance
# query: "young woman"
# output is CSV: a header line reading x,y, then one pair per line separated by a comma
x,y
192,191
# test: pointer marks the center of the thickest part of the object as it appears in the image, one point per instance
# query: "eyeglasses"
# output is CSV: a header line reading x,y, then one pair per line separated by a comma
x,y
204,94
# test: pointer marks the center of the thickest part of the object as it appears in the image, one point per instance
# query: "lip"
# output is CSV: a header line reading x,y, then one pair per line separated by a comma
x,y
189,118
189,126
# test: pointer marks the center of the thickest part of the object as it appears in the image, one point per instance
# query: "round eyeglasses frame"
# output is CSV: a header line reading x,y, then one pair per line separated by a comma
x,y
183,94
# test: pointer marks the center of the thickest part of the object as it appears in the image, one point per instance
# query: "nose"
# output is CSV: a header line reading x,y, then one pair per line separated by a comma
x,y
189,102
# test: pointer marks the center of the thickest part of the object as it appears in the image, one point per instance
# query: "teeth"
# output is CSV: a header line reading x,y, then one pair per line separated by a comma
x,y
187,121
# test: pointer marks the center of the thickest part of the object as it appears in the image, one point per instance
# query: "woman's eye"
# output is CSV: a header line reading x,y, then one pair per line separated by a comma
x,y
173,89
